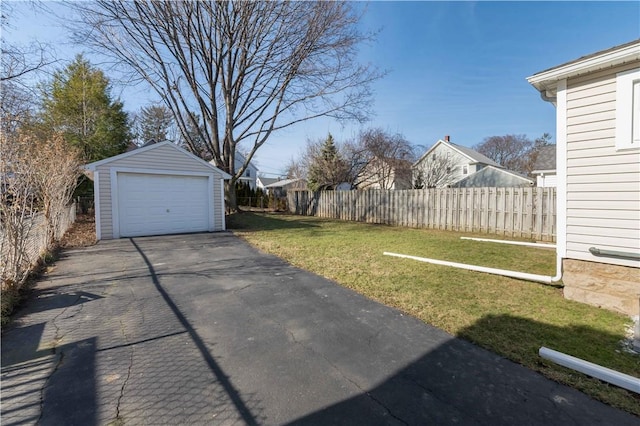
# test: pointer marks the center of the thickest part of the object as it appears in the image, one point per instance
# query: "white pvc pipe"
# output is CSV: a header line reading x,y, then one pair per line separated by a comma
x,y
505,272
594,370
515,243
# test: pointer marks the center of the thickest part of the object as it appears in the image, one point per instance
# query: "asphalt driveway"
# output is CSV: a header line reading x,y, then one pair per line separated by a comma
x,y
204,329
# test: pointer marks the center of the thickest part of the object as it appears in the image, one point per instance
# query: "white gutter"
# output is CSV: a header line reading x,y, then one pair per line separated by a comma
x,y
594,370
515,243
504,272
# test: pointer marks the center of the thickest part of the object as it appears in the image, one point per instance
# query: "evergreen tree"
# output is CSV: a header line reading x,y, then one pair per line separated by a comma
x,y
154,122
327,168
77,103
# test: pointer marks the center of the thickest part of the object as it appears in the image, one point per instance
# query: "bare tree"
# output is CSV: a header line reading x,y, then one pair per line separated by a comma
x,y
55,166
295,170
16,107
246,68
38,175
17,204
510,151
434,171
514,152
20,60
379,159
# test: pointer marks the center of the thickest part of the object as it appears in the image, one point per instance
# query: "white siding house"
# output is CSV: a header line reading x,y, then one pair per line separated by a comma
x,y
154,190
545,167
597,99
446,163
251,172
386,173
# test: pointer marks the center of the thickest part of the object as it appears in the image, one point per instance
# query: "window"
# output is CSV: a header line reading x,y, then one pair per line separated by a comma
x,y
248,173
465,169
628,109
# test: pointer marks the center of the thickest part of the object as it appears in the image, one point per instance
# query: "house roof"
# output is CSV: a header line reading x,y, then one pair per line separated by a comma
x,y
267,181
91,167
546,81
546,159
476,156
282,183
241,158
471,154
491,172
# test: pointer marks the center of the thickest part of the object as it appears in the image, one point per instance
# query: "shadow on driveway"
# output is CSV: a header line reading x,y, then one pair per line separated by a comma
x,y
220,376
204,329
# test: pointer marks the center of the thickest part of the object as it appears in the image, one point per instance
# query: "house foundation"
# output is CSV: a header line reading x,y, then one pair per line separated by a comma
x,y
612,287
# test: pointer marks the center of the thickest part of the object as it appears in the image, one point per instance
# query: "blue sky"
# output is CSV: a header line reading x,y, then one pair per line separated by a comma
x,y
455,68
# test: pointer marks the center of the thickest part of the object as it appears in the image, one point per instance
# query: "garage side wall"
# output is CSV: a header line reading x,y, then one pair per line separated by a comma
x,y
163,158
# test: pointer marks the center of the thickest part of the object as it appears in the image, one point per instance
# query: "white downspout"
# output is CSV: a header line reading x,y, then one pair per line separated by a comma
x,y
545,279
622,380
515,243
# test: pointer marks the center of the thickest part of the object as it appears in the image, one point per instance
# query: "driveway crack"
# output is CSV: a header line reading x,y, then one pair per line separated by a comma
x,y
118,418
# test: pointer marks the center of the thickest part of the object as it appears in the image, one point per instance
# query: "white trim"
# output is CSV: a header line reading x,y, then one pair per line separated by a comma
x,y
223,207
210,204
96,204
549,171
160,171
561,169
94,165
542,80
114,192
115,219
624,109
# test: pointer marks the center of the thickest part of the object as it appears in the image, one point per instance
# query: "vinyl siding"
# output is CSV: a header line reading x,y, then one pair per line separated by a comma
x,y
603,185
457,161
548,181
163,158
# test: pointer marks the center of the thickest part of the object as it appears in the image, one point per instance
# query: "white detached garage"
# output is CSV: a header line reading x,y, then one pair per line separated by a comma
x,y
156,190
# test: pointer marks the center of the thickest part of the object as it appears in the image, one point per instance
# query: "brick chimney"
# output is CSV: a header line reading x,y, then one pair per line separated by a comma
x,y
446,138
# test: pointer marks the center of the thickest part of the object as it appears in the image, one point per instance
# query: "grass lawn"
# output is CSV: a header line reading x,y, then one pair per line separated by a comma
x,y
511,317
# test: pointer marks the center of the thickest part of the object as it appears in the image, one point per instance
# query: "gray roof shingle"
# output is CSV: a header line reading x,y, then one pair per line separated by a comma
x,y
546,159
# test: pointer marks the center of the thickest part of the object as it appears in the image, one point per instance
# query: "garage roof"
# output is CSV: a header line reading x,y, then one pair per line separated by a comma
x,y
91,167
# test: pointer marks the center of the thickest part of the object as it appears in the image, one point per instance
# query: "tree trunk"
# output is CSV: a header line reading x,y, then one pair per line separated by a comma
x,y
230,195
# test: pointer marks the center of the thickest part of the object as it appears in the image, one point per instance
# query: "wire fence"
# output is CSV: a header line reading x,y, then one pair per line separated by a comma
x,y
24,255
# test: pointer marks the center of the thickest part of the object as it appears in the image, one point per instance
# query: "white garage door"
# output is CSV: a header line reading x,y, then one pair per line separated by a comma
x,y
152,204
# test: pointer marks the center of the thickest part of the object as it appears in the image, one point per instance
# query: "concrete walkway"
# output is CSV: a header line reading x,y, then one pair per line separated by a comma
x,y
204,329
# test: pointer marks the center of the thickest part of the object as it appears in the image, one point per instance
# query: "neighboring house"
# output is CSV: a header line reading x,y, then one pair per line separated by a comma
x,y
597,99
493,177
446,163
155,190
545,167
251,172
386,173
280,188
262,181
343,186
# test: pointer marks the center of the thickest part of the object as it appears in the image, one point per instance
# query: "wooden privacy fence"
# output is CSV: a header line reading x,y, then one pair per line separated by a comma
x,y
513,212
